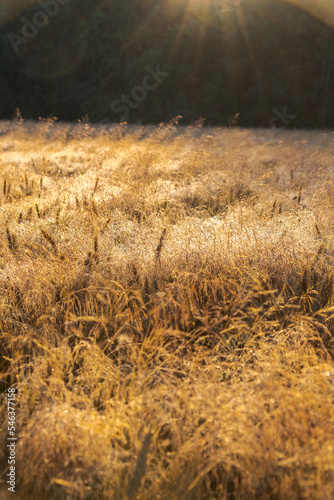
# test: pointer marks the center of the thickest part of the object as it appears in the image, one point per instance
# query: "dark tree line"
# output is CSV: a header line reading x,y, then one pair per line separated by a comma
x,y
149,60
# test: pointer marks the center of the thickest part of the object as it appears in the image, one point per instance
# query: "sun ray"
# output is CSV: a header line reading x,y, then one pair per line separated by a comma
x,y
321,9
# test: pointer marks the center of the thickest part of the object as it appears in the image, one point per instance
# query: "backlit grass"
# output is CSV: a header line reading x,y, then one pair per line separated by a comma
x,y
166,311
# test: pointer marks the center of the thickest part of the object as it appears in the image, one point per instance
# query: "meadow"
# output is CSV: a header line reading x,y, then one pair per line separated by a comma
x,y
167,311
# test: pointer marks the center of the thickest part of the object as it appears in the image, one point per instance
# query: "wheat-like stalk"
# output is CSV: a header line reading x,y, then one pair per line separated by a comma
x,y
50,240
160,244
11,241
95,185
38,211
95,209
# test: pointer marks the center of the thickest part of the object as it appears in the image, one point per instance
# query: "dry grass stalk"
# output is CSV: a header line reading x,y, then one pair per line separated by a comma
x,y
50,240
38,211
140,469
11,241
160,244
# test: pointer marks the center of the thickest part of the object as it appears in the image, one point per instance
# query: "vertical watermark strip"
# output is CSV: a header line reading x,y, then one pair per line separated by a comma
x,y
11,439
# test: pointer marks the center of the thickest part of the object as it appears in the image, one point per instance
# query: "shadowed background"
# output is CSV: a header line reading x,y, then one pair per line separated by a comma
x,y
72,58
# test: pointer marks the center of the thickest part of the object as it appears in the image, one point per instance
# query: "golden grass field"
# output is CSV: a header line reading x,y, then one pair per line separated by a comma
x,y
167,312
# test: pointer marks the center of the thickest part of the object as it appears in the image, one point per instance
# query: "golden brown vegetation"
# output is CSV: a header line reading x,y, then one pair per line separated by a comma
x,y
166,308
